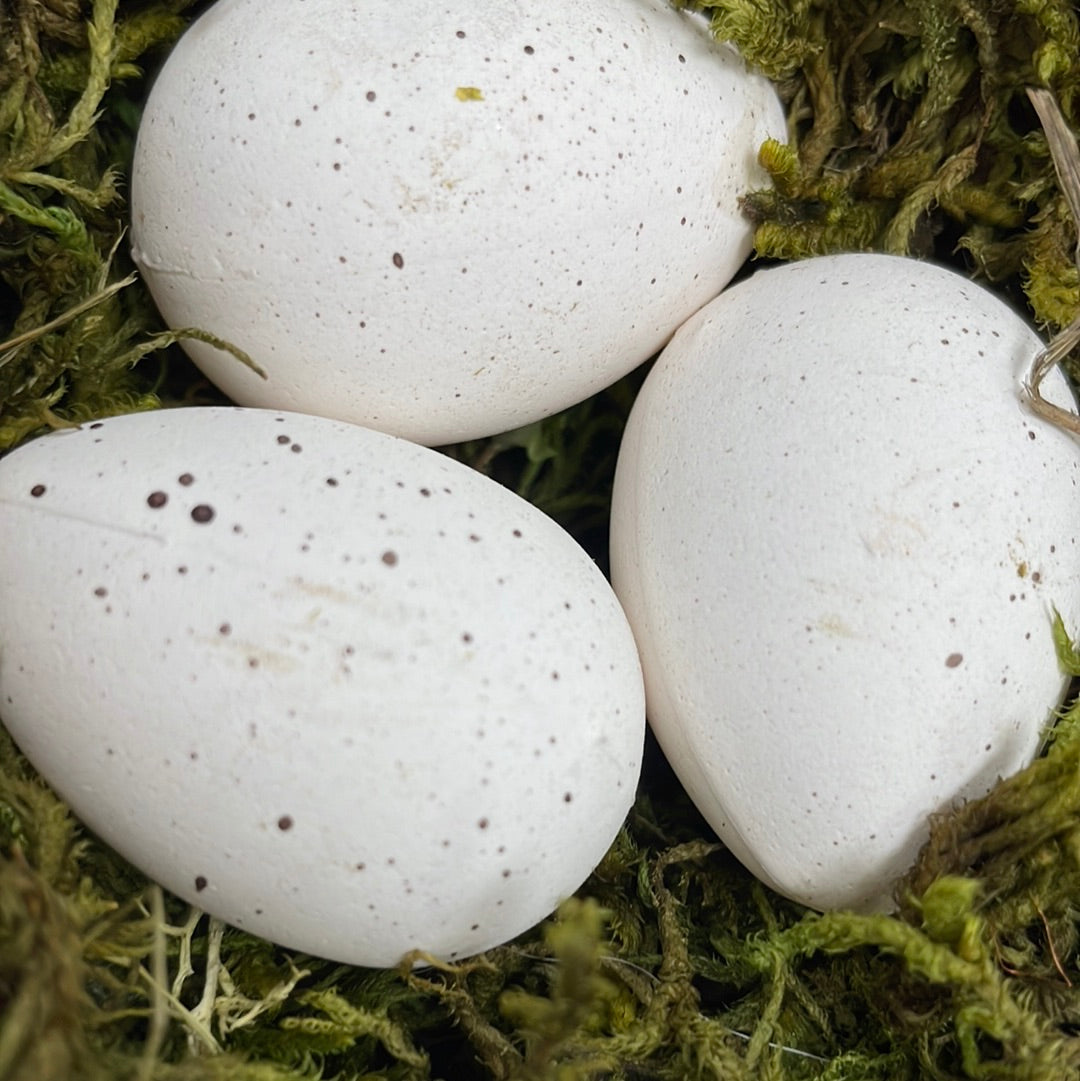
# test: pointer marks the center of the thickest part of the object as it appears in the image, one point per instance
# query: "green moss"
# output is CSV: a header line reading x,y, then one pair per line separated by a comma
x,y
68,102
910,132
689,969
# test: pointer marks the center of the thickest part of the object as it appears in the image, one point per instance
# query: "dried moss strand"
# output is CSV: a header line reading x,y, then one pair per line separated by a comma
x,y
101,33
498,1054
43,975
985,1006
93,198
827,106
343,1023
68,229
762,1037
160,341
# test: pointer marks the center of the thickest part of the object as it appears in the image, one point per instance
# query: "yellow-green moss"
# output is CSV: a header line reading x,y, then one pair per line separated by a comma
x,y
910,132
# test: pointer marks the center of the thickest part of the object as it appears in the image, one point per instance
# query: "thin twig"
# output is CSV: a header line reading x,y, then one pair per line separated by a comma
x,y
1066,157
1063,150
9,348
1050,944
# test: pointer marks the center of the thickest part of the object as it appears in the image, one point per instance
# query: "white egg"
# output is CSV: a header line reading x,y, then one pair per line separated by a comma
x,y
335,688
838,534
443,222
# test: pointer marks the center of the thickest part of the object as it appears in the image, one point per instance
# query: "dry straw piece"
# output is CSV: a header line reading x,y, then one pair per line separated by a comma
x,y
1066,155
911,131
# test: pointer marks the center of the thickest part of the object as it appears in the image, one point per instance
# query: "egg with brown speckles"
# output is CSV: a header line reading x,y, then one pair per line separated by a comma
x,y
839,535
443,224
336,688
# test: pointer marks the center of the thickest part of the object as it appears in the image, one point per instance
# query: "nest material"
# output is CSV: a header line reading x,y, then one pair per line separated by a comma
x,y
911,132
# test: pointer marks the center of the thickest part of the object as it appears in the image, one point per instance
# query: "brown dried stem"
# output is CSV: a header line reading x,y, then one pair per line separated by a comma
x,y
1066,157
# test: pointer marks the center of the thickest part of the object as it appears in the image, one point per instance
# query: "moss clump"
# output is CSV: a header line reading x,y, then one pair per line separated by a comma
x,y
674,964
71,329
910,132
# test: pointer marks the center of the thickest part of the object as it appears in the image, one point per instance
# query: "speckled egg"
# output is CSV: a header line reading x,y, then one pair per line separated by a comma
x,y
444,222
839,535
335,688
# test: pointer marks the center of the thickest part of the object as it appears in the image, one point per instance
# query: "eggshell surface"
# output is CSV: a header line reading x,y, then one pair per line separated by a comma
x,y
839,534
449,222
337,689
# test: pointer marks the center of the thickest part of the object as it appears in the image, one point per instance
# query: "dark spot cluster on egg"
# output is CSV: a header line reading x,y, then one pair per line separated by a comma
x,y
200,513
